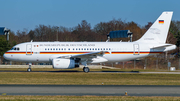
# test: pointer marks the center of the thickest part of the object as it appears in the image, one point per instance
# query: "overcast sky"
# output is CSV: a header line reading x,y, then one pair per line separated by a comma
x,y
20,14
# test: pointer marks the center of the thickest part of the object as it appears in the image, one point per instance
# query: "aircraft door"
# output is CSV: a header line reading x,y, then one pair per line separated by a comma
x,y
136,49
29,49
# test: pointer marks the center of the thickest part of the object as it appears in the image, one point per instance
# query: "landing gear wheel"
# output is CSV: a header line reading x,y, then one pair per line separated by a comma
x,y
86,69
29,69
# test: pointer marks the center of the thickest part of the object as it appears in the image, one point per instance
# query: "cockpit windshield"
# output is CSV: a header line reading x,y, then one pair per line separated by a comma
x,y
15,48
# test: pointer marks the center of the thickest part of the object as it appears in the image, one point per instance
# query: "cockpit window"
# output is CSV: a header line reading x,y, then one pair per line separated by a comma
x,y
15,48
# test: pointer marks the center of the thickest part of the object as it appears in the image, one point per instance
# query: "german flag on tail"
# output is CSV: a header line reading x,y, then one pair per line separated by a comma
x,y
161,21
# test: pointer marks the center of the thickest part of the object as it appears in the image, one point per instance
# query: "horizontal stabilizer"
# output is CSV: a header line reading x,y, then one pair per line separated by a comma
x,y
161,46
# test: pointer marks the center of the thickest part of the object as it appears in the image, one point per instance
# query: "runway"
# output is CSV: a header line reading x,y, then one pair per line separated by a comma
x,y
98,90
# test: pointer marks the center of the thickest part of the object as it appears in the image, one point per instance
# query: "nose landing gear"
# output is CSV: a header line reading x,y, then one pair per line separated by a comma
x,y
29,69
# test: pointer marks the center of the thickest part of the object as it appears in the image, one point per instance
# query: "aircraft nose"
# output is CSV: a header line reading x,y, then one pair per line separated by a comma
x,y
7,56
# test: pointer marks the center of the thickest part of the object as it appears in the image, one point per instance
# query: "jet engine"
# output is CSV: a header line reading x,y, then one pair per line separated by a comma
x,y
64,63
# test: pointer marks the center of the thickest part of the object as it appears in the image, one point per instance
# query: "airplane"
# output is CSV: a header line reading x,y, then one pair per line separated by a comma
x,y
68,55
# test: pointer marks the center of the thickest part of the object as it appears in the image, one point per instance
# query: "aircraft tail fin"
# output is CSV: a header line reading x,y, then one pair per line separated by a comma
x,y
158,32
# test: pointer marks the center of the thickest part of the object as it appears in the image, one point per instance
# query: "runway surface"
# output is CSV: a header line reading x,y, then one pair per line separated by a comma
x,y
98,90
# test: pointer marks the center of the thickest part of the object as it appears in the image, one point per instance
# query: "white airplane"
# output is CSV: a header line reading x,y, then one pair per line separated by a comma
x,y
68,55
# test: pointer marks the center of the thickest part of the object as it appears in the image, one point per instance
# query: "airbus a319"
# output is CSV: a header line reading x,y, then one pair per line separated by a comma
x,y
68,55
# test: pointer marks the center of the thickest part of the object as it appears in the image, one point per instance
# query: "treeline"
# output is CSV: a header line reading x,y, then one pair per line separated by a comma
x,y
84,32
81,32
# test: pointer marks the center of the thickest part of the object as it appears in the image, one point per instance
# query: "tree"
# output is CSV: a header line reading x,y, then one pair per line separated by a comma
x,y
137,31
31,35
148,25
175,30
83,31
103,28
4,46
23,36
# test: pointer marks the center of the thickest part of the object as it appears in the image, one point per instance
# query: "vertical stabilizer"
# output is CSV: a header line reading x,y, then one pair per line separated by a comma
x,y
157,33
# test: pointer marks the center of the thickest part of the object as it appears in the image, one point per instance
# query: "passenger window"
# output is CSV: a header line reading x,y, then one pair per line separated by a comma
x,y
54,49
84,48
17,48
69,49
64,48
95,48
109,48
87,48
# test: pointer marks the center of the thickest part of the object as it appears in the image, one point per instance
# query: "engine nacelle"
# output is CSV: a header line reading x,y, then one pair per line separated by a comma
x,y
64,63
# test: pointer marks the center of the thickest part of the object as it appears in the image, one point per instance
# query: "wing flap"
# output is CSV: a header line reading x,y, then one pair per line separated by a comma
x,y
85,55
89,55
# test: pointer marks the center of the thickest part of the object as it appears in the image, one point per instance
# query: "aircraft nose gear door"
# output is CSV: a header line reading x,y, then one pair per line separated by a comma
x,y
136,49
28,49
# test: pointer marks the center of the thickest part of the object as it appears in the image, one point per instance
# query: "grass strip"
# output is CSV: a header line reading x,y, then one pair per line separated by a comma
x,y
86,98
80,78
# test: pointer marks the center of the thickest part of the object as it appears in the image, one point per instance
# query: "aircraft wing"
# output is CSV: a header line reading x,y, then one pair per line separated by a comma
x,y
86,56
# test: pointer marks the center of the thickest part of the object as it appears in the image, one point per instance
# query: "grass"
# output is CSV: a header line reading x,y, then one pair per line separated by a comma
x,y
86,98
81,78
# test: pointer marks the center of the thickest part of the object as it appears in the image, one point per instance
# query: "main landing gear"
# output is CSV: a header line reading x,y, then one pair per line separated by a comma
x,y
86,69
29,69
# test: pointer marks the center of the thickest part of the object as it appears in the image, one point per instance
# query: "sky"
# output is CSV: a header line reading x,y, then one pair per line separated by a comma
x,y
28,14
